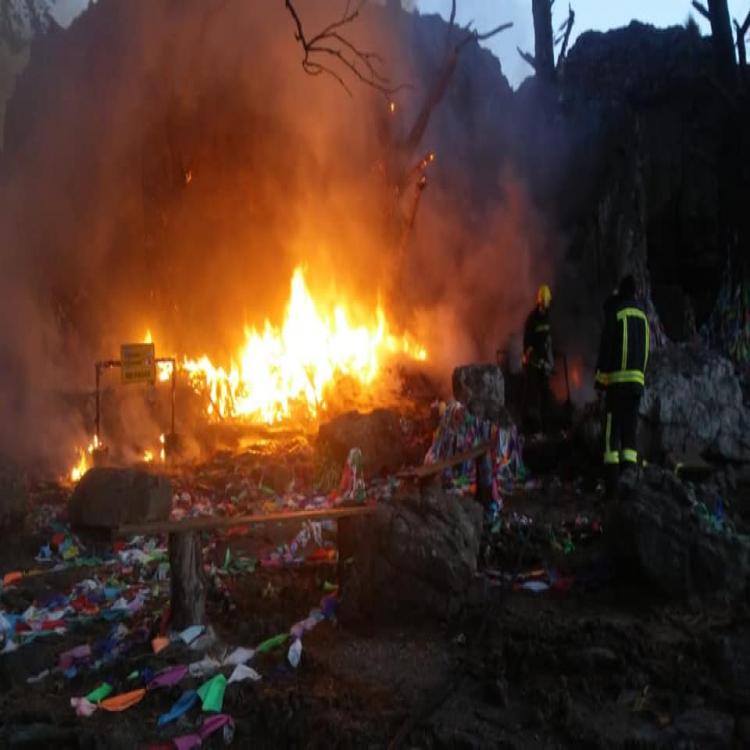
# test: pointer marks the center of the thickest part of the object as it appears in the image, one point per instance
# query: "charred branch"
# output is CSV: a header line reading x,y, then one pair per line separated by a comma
x,y
740,33
544,52
702,10
722,39
330,47
565,31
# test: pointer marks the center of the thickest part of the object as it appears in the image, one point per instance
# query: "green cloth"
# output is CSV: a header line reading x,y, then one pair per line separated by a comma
x,y
211,693
100,693
271,643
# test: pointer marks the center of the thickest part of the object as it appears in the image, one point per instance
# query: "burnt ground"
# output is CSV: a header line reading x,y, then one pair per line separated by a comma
x,y
604,662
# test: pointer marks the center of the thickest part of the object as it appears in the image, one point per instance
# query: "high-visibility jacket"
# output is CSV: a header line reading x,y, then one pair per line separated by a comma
x,y
624,348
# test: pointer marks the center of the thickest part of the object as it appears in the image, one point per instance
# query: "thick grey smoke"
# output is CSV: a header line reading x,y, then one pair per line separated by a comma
x,y
168,164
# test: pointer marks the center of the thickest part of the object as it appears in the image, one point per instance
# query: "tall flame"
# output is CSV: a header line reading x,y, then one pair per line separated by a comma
x,y
294,364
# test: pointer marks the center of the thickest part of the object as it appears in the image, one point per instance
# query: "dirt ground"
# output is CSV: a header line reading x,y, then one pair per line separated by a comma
x,y
601,662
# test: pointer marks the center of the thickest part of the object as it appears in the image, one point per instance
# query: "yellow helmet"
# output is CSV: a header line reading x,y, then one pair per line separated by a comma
x,y
544,296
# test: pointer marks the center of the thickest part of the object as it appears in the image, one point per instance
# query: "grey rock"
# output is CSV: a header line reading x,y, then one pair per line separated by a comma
x,y
705,727
13,494
693,404
378,434
107,497
413,559
482,389
656,529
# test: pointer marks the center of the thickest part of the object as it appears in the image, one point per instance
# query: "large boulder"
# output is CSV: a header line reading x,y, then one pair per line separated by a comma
x,y
107,497
482,389
662,530
378,434
414,559
693,404
13,494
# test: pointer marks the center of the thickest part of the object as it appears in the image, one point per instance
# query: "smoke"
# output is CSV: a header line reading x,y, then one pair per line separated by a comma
x,y
168,164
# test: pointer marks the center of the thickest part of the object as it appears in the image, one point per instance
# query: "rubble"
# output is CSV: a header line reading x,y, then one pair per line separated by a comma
x,y
108,497
693,404
378,434
414,559
482,389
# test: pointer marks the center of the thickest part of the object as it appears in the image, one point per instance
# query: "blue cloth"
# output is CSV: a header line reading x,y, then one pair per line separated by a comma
x,y
186,701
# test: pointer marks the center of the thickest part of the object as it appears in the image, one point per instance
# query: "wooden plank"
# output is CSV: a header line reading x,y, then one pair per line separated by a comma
x,y
428,469
209,523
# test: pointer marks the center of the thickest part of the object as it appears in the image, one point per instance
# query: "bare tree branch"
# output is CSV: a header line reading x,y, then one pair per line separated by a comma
x,y
702,9
331,43
528,57
568,26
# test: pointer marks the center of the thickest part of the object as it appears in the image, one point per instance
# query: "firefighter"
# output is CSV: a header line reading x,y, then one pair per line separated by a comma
x,y
537,361
621,367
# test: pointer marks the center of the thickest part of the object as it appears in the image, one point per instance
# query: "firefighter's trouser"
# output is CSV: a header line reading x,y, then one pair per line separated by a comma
x,y
621,425
536,399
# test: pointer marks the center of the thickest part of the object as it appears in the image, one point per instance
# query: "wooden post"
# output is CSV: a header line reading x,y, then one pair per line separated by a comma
x,y
188,581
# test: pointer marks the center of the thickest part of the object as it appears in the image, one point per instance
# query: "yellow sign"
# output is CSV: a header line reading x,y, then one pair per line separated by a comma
x,y
138,363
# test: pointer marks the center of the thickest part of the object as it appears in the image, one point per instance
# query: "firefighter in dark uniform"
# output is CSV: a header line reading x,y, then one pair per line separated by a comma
x,y
538,362
621,367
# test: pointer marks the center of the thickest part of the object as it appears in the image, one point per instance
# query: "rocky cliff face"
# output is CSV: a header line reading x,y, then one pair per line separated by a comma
x,y
642,177
22,20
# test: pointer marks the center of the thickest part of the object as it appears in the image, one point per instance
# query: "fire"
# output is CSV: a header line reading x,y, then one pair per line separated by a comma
x,y
280,368
85,460
148,457
163,369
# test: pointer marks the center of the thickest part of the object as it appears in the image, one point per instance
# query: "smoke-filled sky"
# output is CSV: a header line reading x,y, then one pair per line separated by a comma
x,y
598,15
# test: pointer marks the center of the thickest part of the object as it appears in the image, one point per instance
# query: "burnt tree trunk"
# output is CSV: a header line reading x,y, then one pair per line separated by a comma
x,y
544,51
188,582
722,39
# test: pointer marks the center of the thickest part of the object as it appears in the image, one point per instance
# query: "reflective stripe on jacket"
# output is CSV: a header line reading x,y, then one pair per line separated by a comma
x,y
624,349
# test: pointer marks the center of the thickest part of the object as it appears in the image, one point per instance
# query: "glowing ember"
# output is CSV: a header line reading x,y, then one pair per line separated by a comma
x,y
294,364
85,460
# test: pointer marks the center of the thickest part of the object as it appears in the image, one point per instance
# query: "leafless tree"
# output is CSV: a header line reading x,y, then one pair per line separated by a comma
x,y
717,14
543,59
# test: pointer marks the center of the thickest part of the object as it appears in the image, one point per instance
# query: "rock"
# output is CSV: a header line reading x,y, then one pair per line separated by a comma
x,y
656,530
414,559
378,434
108,497
693,404
13,494
705,728
482,389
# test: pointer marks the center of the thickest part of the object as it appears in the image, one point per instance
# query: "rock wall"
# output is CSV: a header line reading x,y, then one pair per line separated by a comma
x,y
693,403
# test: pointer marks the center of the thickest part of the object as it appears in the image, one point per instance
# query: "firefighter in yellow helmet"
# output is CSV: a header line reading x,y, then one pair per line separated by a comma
x,y
538,362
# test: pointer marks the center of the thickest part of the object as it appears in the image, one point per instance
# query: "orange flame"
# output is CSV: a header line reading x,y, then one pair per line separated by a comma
x,y
85,460
294,364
